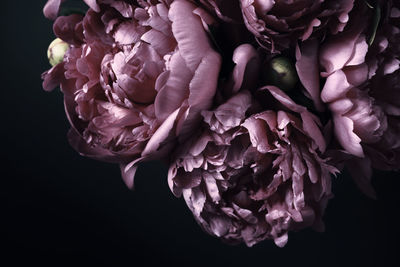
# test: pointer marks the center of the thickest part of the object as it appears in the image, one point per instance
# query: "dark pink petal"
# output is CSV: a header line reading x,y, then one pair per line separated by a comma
x,y
310,122
128,174
67,29
53,77
93,5
230,114
195,198
257,133
245,73
308,70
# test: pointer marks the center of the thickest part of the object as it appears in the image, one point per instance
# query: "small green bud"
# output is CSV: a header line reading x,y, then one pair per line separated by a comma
x,y
375,23
280,71
56,51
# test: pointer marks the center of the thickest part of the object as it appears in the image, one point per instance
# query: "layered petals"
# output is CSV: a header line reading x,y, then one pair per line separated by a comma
x,y
134,78
362,91
250,178
277,25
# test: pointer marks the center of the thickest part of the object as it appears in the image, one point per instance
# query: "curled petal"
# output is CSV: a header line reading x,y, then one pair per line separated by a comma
x,y
51,8
344,131
308,71
93,5
247,63
53,77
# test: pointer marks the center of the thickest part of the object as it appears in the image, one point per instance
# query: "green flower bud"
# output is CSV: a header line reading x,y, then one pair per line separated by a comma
x,y
56,51
280,71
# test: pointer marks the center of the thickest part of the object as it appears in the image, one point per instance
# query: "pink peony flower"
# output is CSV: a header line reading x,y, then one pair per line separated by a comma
x,y
228,11
363,93
247,179
278,24
136,76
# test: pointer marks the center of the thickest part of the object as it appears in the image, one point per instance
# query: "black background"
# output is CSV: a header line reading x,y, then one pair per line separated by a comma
x,y
59,208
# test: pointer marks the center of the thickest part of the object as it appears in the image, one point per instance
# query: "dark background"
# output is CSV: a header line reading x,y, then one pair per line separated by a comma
x,y
59,208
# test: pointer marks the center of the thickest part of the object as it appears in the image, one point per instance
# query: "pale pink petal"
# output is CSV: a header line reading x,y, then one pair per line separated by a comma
x,y
128,174
308,70
175,90
247,63
161,135
336,86
51,8
93,5
184,23
336,53
347,138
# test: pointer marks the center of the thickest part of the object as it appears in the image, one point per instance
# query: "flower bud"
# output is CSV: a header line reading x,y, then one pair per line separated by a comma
x,y
281,72
56,51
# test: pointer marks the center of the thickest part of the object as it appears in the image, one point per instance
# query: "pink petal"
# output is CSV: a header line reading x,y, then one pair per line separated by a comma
x,y
93,5
359,53
162,134
258,133
336,53
128,174
176,89
188,30
195,199
212,188
307,67
53,77
65,28
336,86
347,138
307,33
204,82
246,58
51,8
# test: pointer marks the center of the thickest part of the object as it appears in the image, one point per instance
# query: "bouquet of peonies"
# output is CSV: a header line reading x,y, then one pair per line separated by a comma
x,y
254,104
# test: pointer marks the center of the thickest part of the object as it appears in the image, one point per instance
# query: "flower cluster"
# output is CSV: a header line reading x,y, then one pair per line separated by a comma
x,y
255,105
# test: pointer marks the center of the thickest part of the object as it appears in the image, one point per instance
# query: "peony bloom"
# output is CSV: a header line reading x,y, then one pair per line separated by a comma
x,y
135,76
278,24
363,93
226,10
250,178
